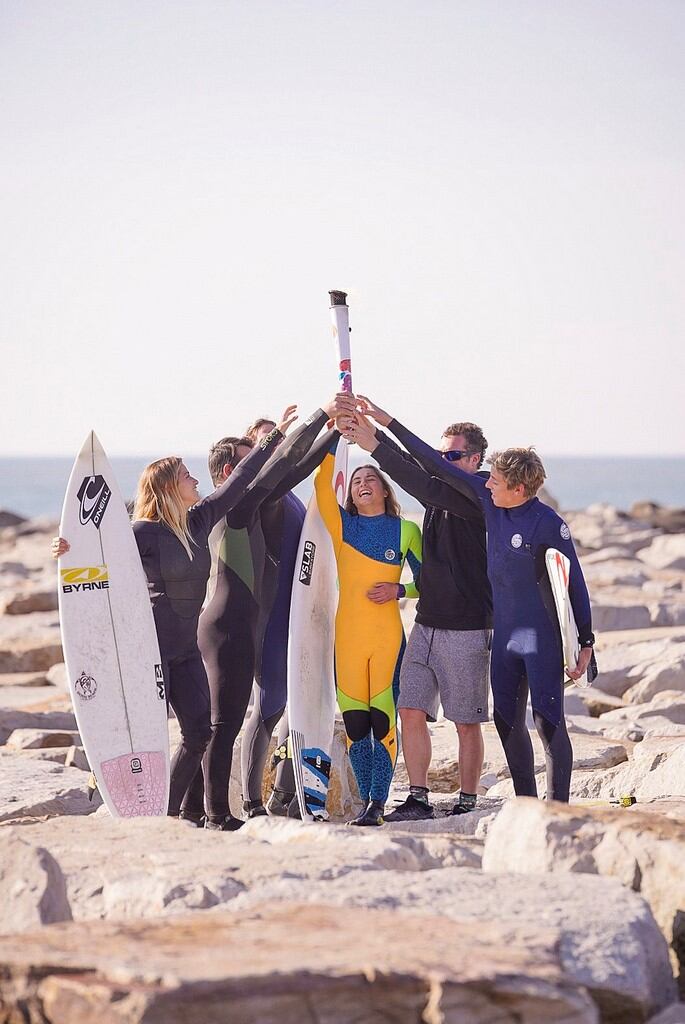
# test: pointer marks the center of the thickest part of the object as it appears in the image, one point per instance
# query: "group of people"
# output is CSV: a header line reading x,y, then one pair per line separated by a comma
x,y
485,612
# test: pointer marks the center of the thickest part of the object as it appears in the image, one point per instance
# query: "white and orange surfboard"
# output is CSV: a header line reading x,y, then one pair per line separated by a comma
x,y
110,643
558,571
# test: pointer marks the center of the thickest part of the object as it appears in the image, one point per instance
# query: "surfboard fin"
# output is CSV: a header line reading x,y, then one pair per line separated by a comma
x,y
92,786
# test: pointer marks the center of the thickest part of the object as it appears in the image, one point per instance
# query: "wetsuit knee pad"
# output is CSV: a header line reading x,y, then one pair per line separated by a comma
x,y
546,730
380,723
357,724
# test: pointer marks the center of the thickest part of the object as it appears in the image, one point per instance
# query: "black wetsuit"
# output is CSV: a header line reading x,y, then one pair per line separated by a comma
x,y
177,586
236,635
455,590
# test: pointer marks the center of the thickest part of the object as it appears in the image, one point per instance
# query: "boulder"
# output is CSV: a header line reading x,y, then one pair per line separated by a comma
x,y
605,937
625,663
57,676
8,518
58,755
291,963
597,701
12,570
665,552
32,886
668,673
146,868
670,520
653,773
30,653
644,852
607,554
22,602
76,758
45,789
608,938
663,715
603,526
610,614
624,732
29,739
22,679
18,718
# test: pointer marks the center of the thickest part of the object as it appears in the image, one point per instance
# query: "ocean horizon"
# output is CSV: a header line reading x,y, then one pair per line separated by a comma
x,y
33,486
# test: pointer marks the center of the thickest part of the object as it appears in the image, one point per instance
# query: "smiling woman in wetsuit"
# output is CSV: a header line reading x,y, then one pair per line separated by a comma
x,y
171,527
371,543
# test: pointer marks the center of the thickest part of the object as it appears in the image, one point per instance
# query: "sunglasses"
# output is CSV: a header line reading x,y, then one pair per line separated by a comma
x,y
454,456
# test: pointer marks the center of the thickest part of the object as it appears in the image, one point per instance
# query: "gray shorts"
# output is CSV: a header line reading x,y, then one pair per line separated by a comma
x,y
449,667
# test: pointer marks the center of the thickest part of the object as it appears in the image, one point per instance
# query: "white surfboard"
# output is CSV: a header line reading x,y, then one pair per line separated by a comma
x,y
314,602
110,643
558,571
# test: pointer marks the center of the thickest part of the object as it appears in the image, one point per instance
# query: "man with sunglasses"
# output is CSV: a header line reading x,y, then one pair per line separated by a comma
x,y
447,657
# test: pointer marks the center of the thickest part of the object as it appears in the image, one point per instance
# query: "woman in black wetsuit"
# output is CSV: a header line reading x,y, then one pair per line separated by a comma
x,y
171,526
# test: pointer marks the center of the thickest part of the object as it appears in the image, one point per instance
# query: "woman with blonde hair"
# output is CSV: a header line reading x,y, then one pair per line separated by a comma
x,y
171,524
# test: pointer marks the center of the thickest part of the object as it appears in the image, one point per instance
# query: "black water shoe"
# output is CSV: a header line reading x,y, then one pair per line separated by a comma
x,y
411,810
278,803
227,824
371,815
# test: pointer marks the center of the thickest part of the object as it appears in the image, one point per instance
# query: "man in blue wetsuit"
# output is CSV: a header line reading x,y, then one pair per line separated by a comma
x,y
526,646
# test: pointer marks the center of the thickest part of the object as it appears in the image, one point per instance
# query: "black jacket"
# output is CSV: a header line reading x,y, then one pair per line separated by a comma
x,y
455,590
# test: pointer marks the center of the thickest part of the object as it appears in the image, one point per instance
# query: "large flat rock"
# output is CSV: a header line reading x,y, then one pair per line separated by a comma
x,y
291,964
606,936
639,660
32,788
30,653
645,852
24,718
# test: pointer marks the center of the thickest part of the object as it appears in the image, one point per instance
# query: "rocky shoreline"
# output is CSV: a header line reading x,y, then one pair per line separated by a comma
x,y
520,911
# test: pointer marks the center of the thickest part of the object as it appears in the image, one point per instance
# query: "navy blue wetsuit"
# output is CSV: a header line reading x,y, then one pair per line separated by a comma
x,y
177,586
526,651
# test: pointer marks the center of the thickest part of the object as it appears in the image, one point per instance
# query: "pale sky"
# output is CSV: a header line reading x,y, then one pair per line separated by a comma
x,y
498,184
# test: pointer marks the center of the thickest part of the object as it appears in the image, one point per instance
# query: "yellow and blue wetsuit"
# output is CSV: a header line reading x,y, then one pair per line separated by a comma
x,y
369,639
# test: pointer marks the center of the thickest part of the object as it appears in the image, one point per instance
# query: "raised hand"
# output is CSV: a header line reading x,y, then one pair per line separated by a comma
x,y
369,408
362,432
340,408
287,419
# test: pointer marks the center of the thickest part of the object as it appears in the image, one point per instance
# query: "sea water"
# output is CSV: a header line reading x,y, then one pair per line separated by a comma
x,y
35,486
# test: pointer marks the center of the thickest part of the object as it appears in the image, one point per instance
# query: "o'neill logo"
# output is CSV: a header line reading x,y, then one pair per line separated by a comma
x,y
93,495
159,679
89,577
307,562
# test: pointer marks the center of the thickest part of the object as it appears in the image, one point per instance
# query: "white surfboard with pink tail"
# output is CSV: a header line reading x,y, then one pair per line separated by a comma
x,y
110,643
